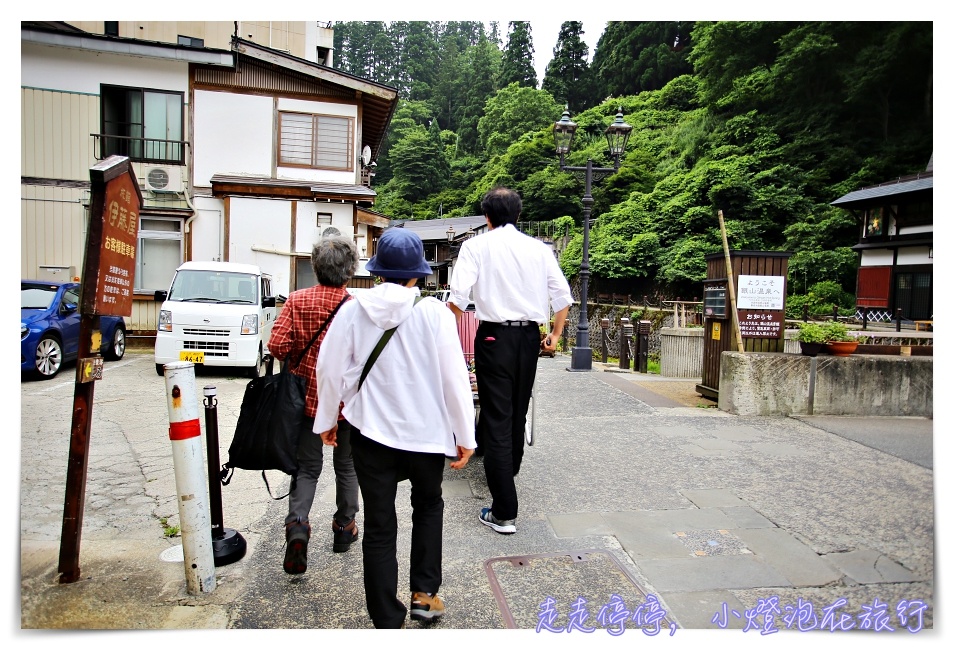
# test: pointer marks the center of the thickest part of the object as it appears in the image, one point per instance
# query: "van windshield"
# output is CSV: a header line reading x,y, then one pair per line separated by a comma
x,y
195,285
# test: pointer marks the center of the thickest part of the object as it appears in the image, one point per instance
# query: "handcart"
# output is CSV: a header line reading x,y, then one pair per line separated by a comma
x,y
467,330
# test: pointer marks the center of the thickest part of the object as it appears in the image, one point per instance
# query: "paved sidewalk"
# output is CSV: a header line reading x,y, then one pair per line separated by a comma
x,y
630,490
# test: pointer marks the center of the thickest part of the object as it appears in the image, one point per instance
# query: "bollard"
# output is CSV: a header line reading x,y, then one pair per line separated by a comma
x,y
864,318
805,313
194,516
625,332
228,545
641,362
897,316
604,325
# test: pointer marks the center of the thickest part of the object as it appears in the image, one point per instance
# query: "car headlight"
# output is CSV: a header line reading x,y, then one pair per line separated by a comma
x,y
250,324
24,330
165,320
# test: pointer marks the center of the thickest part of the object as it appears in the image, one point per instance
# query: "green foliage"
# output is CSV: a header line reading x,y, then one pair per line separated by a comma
x,y
810,333
517,63
768,121
821,300
512,112
836,331
568,77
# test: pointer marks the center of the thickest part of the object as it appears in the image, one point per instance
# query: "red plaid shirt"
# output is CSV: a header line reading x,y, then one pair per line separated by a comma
x,y
303,313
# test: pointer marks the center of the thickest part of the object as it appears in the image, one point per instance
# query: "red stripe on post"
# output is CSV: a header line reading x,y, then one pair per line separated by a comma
x,y
184,430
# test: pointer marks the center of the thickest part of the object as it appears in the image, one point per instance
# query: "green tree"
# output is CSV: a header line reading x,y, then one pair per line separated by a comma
x,y
517,64
632,57
513,111
418,165
567,76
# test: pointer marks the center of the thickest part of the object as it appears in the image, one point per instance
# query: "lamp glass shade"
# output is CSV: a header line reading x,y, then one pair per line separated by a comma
x,y
450,234
563,132
617,135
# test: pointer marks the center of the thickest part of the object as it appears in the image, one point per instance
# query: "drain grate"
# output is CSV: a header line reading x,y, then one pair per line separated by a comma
x,y
557,591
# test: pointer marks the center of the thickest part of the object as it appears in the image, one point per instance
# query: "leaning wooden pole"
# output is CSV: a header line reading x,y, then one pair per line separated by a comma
x,y
728,274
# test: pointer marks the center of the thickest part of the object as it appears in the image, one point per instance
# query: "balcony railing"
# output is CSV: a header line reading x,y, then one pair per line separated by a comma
x,y
154,150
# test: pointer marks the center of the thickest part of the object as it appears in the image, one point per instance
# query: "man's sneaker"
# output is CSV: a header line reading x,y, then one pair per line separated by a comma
x,y
296,547
425,607
503,526
344,535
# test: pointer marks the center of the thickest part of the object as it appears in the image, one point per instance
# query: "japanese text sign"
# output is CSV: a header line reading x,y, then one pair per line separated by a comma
x,y
761,292
111,246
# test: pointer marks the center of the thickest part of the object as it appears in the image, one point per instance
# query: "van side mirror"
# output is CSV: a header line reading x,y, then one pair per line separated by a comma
x,y
160,295
268,301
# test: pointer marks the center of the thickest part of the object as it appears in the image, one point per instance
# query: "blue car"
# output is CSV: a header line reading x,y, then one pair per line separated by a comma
x,y
50,328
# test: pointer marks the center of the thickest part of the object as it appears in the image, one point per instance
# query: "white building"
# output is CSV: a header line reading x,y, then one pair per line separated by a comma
x,y
245,153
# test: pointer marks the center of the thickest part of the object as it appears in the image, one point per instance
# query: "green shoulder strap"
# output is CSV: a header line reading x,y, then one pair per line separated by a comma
x,y
376,352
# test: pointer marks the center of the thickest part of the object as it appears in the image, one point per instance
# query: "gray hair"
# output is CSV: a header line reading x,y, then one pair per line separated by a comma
x,y
334,260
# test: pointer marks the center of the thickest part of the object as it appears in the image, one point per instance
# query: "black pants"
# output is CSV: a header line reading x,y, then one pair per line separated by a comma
x,y
379,470
506,363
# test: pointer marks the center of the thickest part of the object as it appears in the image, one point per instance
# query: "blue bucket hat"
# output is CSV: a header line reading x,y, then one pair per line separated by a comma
x,y
400,254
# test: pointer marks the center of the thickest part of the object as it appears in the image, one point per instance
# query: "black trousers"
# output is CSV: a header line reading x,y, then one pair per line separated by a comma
x,y
505,360
379,469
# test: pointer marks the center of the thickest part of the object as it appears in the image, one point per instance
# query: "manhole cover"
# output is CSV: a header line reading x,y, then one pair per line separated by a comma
x,y
172,554
575,590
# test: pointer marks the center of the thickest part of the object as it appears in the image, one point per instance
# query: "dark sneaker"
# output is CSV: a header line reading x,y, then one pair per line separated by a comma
x,y
344,535
502,526
296,547
426,608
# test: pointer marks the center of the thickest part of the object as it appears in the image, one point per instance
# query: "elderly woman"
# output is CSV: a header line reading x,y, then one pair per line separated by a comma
x,y
334,260
413,409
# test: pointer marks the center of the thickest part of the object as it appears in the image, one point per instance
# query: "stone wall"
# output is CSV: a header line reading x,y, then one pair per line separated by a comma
x,y
772,384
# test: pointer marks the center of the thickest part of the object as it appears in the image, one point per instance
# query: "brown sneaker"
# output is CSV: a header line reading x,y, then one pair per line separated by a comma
x,y
426,608
296,547
344,535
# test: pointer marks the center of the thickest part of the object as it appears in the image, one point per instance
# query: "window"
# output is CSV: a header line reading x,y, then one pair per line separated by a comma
x,y
190,41
145,125
111,27
159,252
874,222
317,141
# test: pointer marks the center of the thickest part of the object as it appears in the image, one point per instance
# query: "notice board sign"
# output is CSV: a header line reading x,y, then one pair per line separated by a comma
x,y
110,265
761,292
761,324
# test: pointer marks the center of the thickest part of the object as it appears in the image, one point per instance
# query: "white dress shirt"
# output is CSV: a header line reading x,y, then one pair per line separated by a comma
x,y
417,396
513,277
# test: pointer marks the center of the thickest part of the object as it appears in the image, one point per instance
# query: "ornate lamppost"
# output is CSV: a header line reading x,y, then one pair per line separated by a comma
x,y
617,135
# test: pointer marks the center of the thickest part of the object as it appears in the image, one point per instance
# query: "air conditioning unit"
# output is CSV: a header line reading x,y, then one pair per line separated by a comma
x,y
165,178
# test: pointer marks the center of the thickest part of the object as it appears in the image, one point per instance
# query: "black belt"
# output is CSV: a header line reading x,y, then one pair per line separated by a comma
x,y
515,323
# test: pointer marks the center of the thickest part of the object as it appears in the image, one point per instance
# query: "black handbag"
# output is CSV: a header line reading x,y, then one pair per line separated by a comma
x,y
270,420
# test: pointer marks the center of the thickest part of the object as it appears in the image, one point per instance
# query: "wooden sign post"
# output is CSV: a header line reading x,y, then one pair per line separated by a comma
x,y
109,268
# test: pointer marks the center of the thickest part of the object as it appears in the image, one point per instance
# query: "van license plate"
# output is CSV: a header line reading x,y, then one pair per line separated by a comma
x,y
194,357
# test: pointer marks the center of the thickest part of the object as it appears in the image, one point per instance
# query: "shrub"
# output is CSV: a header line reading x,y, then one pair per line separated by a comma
x,y
811,333
835,331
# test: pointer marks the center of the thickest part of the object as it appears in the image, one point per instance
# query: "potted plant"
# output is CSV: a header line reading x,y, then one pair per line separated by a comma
x,y
811,338
837,339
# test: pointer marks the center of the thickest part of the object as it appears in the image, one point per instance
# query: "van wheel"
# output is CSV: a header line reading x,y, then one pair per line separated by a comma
x,y
160,370
256,371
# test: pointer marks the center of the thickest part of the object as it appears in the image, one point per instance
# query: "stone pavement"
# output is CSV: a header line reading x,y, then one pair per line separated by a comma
x,y
636,493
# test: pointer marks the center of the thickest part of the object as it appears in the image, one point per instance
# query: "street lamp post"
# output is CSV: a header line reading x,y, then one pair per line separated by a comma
x,y
617,135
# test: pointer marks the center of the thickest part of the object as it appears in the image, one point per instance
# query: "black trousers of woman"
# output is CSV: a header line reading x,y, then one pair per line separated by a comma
x,y
379,469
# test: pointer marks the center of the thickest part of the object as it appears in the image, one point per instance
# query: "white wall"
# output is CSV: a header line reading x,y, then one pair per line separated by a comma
x,y
324,108
877,257
306,232
73,70
207,230
914,255
232,135
264,224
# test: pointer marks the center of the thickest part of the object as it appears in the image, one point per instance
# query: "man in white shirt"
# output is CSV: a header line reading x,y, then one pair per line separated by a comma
x,y
515,281
413,409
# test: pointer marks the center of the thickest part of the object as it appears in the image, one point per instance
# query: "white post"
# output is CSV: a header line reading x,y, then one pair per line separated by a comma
x,y
195,520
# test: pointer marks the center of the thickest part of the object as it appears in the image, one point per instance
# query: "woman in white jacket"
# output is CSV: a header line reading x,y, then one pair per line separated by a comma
x,y
414,408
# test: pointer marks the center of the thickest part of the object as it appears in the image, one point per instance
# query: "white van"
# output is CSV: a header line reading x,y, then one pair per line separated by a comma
x,y
216,314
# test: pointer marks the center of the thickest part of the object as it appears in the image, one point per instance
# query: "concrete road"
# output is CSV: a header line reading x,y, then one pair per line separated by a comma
x,y
630,489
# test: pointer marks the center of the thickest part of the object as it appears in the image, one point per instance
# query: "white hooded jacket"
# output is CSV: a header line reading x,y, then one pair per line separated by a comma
x,y
417,396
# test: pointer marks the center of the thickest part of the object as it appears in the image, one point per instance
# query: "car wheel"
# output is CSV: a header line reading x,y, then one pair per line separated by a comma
x,y
256,371
117,349
49,357
160,370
